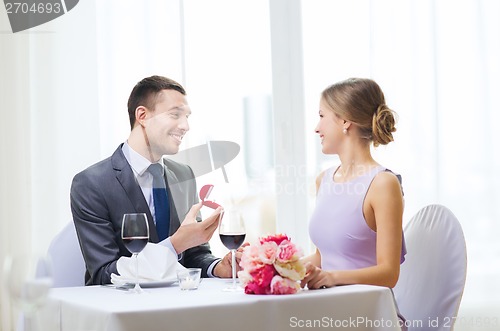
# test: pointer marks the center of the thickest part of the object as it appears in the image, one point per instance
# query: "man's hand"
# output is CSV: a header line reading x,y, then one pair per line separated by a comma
x,y
192,233
223,268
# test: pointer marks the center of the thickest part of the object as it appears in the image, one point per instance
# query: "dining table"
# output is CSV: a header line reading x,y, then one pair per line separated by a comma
x,y
107,308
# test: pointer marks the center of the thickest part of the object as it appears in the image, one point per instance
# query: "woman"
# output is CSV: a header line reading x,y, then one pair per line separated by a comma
x,y
357,223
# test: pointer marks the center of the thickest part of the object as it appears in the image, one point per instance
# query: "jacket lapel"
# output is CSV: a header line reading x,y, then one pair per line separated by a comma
x,y
125,176
176,198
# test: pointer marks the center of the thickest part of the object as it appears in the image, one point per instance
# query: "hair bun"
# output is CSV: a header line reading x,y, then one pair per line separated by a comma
x,y
383,125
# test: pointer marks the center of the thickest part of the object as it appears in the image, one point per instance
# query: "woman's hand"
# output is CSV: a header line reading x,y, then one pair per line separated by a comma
x,y
317,278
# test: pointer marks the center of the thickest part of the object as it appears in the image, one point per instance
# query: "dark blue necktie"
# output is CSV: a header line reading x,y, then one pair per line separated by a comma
x,y
160,197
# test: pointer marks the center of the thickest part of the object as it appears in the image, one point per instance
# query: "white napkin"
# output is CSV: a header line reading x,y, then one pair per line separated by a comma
x,y
156,263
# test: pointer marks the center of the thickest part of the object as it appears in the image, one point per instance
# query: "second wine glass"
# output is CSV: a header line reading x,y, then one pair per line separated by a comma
x,y
135,236
232,234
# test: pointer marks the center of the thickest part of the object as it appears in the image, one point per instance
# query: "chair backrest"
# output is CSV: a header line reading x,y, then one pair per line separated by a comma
x,y
68,266
432,278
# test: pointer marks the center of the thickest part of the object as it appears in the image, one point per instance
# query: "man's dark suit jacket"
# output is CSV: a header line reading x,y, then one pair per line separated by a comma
x,y
102,193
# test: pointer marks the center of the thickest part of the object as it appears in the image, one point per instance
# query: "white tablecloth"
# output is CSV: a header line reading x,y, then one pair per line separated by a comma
x,y
99,308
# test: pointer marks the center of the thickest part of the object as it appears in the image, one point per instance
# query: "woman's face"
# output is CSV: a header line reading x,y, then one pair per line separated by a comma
x,y
329,128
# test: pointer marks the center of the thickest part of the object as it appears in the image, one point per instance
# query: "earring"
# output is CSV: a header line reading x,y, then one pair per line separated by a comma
x,y
344,131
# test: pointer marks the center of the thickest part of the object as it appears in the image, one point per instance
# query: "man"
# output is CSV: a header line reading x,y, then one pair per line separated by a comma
x,y
123,183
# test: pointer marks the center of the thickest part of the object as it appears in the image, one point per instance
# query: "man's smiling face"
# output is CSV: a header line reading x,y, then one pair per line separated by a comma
x,y
167,124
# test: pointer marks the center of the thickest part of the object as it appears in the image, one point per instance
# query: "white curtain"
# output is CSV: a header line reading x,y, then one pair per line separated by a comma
x,y
64,87
63,93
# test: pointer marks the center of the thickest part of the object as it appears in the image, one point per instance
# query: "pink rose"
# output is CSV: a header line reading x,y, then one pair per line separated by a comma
x,y
263,276
254,288
267,252
250,259
277,238
261,280
280,285
244,277
287,252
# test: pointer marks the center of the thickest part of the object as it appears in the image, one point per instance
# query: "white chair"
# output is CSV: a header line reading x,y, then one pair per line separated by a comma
x,y
68,266
432,278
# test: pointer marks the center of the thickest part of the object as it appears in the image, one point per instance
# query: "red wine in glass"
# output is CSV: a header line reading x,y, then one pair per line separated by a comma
x,y
135,236
232,241
135,244
232,234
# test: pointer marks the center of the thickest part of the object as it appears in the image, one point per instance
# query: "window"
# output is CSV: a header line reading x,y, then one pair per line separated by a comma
x,y
228,80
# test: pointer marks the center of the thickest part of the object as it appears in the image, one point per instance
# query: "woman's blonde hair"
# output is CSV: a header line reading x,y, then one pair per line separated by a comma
x,y
362,102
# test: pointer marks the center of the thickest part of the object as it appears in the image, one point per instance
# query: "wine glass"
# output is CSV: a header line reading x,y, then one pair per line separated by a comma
x,y
28,279
232,234
135,235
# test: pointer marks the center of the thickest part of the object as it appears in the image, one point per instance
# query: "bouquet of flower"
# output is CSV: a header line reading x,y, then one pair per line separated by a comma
x,y
271,266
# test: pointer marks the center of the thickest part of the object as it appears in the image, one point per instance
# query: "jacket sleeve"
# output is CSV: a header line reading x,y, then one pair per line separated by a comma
x,y
95,230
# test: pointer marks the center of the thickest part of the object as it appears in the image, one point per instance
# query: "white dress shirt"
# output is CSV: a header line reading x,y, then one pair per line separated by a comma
x,y
140,165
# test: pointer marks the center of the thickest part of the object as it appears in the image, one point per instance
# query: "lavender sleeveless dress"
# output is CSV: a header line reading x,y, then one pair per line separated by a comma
x,y
338,227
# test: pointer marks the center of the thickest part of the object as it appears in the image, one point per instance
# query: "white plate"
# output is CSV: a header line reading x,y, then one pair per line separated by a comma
x,y
119,282
160,283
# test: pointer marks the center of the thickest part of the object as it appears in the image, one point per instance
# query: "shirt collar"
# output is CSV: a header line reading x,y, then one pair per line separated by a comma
x,y
138,162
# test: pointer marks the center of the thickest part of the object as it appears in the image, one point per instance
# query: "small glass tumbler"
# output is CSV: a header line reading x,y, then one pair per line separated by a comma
x,y
189,279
